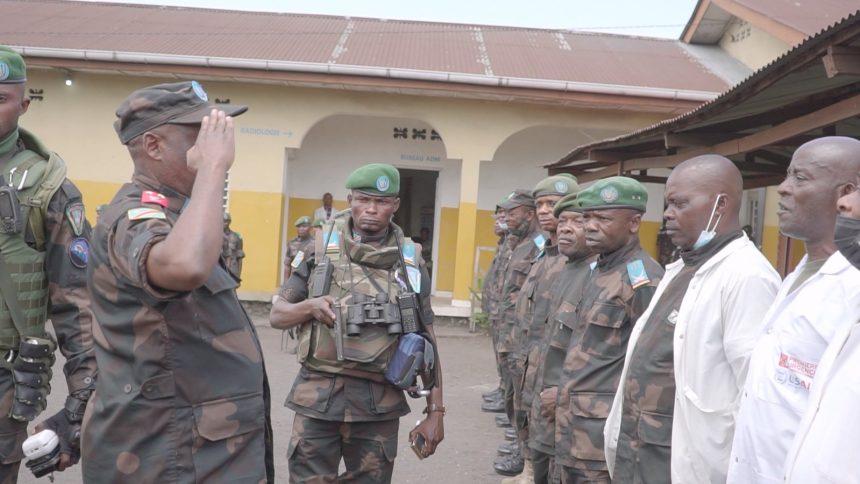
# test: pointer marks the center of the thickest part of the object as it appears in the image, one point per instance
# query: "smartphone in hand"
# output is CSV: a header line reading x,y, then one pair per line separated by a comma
x,y
418,446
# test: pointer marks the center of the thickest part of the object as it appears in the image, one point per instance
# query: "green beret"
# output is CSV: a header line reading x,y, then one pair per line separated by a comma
x,y
319,222
518,198
303,221
12,67
569,175
613,192
567,203
555,185
375,179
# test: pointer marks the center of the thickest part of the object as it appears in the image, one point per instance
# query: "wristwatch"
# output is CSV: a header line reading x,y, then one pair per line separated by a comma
x,y
434,408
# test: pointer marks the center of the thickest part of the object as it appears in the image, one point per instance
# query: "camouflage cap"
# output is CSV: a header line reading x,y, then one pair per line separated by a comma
x,y
518,198
555,185
303,221
319,222
613,192
12,67
567,203
175,103
377,179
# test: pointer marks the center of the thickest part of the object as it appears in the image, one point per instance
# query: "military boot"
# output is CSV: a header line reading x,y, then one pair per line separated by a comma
x,y
492,395
503,421
494,406
511,466
510,434
508,448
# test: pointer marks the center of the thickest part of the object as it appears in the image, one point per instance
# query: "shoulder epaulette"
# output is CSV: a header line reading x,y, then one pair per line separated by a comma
x,y
636,273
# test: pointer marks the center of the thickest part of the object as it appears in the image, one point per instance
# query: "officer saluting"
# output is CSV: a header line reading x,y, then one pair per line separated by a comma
x,y
44,247
183,394
364,275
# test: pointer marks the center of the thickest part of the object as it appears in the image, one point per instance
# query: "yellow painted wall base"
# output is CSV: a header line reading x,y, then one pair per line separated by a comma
x,y
648,237
446,257
301,207
770,243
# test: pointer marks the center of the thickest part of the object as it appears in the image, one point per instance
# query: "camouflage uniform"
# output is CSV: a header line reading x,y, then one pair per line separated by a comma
x,y
66,232
523,256
644,442
305,245
620,289
534,304
182,395
494,303
233,252
353,416
549,357
490,292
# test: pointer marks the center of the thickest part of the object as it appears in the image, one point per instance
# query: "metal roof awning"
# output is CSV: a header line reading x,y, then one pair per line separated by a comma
x,y
811,91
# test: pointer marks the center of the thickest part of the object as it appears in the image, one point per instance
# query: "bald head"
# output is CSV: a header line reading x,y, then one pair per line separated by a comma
x,y
820,172
836,156
697,188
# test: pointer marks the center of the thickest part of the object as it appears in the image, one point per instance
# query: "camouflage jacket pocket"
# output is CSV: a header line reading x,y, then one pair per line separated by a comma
x,y
655,429
605,333
228,417
312,390
589,410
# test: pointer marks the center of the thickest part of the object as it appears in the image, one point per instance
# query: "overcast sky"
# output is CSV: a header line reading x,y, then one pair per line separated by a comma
x,y
654,18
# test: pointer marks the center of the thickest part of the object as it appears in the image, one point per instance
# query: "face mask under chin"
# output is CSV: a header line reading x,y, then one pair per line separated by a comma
x,y
847,238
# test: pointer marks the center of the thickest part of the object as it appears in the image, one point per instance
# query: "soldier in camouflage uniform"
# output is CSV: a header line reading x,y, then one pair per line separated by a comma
x,y
533,304
182,394
489,295
345,407
42,276
550,353
521,219
622,283
233,248
300,247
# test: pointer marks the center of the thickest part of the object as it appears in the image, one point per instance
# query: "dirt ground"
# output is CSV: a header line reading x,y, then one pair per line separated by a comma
x,y
466,454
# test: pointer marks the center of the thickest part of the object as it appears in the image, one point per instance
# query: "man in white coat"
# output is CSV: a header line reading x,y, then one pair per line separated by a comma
x,y
814,303
673,414
825,448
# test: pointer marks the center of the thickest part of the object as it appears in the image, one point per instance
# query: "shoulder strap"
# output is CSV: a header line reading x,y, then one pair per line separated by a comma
x,y
55,174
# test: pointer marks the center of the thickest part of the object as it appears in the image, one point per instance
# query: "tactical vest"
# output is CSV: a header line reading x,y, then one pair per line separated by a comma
x,y
366,272
23,280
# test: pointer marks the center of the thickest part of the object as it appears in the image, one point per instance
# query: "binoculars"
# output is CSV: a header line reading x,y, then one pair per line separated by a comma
x,y
376,310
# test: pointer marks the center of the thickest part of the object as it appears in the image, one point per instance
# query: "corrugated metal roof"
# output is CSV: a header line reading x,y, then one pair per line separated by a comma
x,y
806,16
327,40
748,96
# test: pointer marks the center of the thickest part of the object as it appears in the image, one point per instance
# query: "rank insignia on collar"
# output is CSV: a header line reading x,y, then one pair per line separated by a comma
x,y
154,197
144,213
75,216
636,273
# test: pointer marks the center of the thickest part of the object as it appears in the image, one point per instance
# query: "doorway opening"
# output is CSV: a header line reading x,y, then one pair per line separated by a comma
x,y
417,212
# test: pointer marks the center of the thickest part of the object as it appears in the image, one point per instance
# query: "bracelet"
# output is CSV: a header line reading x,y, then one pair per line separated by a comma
x,y
434,408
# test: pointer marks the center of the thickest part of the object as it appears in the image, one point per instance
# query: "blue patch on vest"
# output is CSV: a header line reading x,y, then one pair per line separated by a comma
x,y
79,252
539,241
636,273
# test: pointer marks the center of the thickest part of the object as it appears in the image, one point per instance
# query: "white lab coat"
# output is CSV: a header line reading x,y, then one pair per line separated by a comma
x,y
825,447
798,329
718,322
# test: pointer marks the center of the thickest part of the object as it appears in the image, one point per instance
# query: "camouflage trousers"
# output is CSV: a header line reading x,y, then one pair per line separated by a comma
x,y
513,404
569,475
12,432
317,446
545,470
